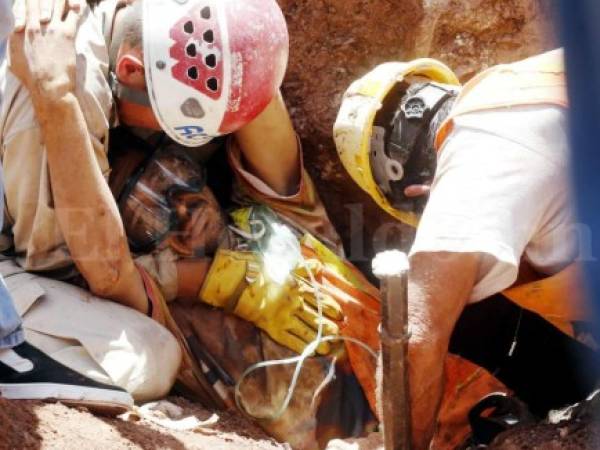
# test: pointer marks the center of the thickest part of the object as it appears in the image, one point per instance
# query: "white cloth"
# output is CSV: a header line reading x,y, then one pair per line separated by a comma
x,y
103,340
501,189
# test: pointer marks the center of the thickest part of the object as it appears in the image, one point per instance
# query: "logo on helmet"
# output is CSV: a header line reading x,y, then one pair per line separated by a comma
x,y
190,131
198,51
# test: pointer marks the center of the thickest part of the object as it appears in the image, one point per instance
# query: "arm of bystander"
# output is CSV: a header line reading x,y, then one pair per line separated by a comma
x,y
42,56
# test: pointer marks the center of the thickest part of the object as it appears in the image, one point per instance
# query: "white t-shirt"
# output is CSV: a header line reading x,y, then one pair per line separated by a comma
x,y
502,189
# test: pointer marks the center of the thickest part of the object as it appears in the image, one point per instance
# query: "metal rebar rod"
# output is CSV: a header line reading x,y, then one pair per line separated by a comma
x,y
391,268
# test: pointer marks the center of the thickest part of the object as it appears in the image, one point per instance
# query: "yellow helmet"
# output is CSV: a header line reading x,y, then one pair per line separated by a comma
x,y
353,127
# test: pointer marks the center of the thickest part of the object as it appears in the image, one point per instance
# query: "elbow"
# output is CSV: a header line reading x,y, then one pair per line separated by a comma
x,y
121,283
107,271
107,276
105,280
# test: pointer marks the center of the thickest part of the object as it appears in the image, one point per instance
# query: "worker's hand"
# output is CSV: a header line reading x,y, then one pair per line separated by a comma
x,y
39,10
286,312
417,190
43,57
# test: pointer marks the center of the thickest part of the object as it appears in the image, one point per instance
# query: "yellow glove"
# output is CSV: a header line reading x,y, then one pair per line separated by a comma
x,y
287,312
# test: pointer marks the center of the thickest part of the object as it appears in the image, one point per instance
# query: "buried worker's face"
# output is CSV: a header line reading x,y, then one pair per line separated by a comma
x,y
167,203
200,223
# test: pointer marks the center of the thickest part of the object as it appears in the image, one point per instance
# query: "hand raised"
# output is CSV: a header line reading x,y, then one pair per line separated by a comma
x,y
38,10
43,56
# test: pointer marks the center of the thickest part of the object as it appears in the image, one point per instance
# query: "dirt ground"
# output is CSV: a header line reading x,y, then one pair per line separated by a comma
x,y
30,425
332,43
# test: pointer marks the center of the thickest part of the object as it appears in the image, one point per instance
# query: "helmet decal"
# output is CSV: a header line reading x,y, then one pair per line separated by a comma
x,y
198,50
211,66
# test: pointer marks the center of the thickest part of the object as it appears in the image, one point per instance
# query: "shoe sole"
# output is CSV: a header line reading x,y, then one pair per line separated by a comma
x,y
98,400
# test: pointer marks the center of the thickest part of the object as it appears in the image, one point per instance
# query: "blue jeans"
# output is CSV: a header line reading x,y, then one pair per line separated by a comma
x,y
11,333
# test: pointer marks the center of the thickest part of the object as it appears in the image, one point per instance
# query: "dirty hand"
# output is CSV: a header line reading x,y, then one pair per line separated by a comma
x,y
40,10
286,312
43,56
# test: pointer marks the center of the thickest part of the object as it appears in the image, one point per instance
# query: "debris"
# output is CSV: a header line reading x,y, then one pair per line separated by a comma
x,y
170,416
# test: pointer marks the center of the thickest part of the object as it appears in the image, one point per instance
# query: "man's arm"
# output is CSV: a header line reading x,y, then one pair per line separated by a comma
x,y
439,287
86,212
270,148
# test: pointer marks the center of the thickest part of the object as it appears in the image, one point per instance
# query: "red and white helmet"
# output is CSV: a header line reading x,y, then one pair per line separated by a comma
x,y
212,65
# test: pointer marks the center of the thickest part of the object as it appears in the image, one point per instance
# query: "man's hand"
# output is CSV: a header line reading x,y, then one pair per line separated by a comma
x,y
43,56
438,288
42,9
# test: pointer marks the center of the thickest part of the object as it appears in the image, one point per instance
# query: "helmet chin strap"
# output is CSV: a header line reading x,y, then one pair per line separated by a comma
x,y
126,93
119,90
400,153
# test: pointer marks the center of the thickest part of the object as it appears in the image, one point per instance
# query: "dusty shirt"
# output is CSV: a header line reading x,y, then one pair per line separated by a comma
x,y
31,223
303,209
502,189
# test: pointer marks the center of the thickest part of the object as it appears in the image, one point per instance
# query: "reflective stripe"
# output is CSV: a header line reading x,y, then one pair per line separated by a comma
x,y
534,81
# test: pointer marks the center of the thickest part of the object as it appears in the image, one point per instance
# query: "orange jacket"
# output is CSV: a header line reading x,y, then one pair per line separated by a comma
x,y
465,383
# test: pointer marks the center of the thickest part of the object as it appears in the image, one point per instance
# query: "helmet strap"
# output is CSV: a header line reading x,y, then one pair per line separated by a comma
x,y
119,90
410,124
123,92
401,154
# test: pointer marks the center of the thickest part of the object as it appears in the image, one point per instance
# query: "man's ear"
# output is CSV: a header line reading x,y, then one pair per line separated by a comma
x,y
130,71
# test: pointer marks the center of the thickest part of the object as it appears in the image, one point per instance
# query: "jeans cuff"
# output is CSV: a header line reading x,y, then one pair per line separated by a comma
x,y
17,337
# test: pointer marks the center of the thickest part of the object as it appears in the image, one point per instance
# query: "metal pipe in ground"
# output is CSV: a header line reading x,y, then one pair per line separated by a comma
x,y
391,267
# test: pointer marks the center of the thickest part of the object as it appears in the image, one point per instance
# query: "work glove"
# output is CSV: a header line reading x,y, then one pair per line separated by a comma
x,y
286,311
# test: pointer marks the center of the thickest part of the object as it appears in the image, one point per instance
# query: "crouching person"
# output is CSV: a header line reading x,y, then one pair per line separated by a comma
x,y
42,115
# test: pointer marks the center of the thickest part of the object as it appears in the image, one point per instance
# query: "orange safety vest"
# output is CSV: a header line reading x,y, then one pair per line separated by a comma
x,y
465,383
539,80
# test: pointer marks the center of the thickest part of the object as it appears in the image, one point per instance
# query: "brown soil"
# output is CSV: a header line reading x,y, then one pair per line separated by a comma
x,y
578,428
34,425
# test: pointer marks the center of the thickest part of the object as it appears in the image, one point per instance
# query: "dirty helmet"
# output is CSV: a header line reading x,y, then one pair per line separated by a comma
x,y
378,155
212,65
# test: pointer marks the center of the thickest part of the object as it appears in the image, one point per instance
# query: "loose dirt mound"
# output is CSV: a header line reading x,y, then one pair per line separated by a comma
x,y
35,425
575,428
